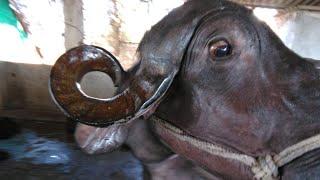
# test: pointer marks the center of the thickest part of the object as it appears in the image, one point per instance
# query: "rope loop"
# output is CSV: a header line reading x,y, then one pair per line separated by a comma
x,y
265,168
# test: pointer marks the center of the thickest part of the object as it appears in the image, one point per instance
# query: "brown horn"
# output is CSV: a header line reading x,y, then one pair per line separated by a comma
x,y
66,91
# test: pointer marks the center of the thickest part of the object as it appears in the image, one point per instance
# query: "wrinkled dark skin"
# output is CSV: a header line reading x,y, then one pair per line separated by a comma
x,y
257,101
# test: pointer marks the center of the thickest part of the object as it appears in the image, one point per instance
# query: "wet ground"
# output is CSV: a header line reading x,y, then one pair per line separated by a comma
x,y
46,150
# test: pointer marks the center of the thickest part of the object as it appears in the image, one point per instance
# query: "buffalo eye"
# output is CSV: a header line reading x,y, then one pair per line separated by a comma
x,y
220,49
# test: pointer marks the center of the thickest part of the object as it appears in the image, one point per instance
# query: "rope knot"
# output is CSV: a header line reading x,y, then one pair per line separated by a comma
x,y
265,168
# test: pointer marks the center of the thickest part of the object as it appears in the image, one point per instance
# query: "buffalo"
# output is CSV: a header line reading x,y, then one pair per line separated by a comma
x,y
215,95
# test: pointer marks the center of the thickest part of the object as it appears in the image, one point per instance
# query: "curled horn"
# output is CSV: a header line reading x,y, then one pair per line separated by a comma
x,y
160,53
66,90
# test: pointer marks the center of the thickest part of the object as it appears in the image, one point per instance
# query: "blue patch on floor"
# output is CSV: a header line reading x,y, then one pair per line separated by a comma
x,y
46,154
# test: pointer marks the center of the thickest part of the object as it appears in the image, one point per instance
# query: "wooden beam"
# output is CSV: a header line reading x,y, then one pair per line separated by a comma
x,y
279,6
73,19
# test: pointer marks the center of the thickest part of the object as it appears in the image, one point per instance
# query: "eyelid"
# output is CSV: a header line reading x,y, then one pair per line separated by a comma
x,y
216,38
213,41
219,44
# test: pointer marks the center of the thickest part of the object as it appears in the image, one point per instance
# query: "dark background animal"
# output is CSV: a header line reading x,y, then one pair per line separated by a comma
x,y
214,71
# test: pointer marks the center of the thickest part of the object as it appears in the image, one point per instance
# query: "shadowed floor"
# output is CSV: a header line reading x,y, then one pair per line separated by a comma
x,y
46,150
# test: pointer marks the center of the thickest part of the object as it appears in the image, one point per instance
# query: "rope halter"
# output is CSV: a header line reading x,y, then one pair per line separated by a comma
x,y
263,168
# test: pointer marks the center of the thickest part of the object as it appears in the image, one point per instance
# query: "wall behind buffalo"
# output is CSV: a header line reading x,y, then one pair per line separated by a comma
x,y
302,33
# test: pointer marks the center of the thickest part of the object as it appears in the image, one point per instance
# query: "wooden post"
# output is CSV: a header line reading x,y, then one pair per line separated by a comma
x,y
73,16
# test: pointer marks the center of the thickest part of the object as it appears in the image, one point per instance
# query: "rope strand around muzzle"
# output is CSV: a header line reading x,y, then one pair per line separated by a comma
x,y
263,168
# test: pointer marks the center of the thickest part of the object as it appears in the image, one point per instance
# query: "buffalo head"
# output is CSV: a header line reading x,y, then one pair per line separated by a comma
x,y
211,69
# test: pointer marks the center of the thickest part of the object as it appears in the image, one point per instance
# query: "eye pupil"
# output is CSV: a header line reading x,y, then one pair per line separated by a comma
x,y
220,49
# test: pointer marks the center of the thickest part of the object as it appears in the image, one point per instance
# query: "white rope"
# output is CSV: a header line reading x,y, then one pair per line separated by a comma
x,y
263,168
297,150
205,146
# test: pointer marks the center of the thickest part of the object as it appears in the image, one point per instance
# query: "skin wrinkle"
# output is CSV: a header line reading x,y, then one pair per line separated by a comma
x,y
185,63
